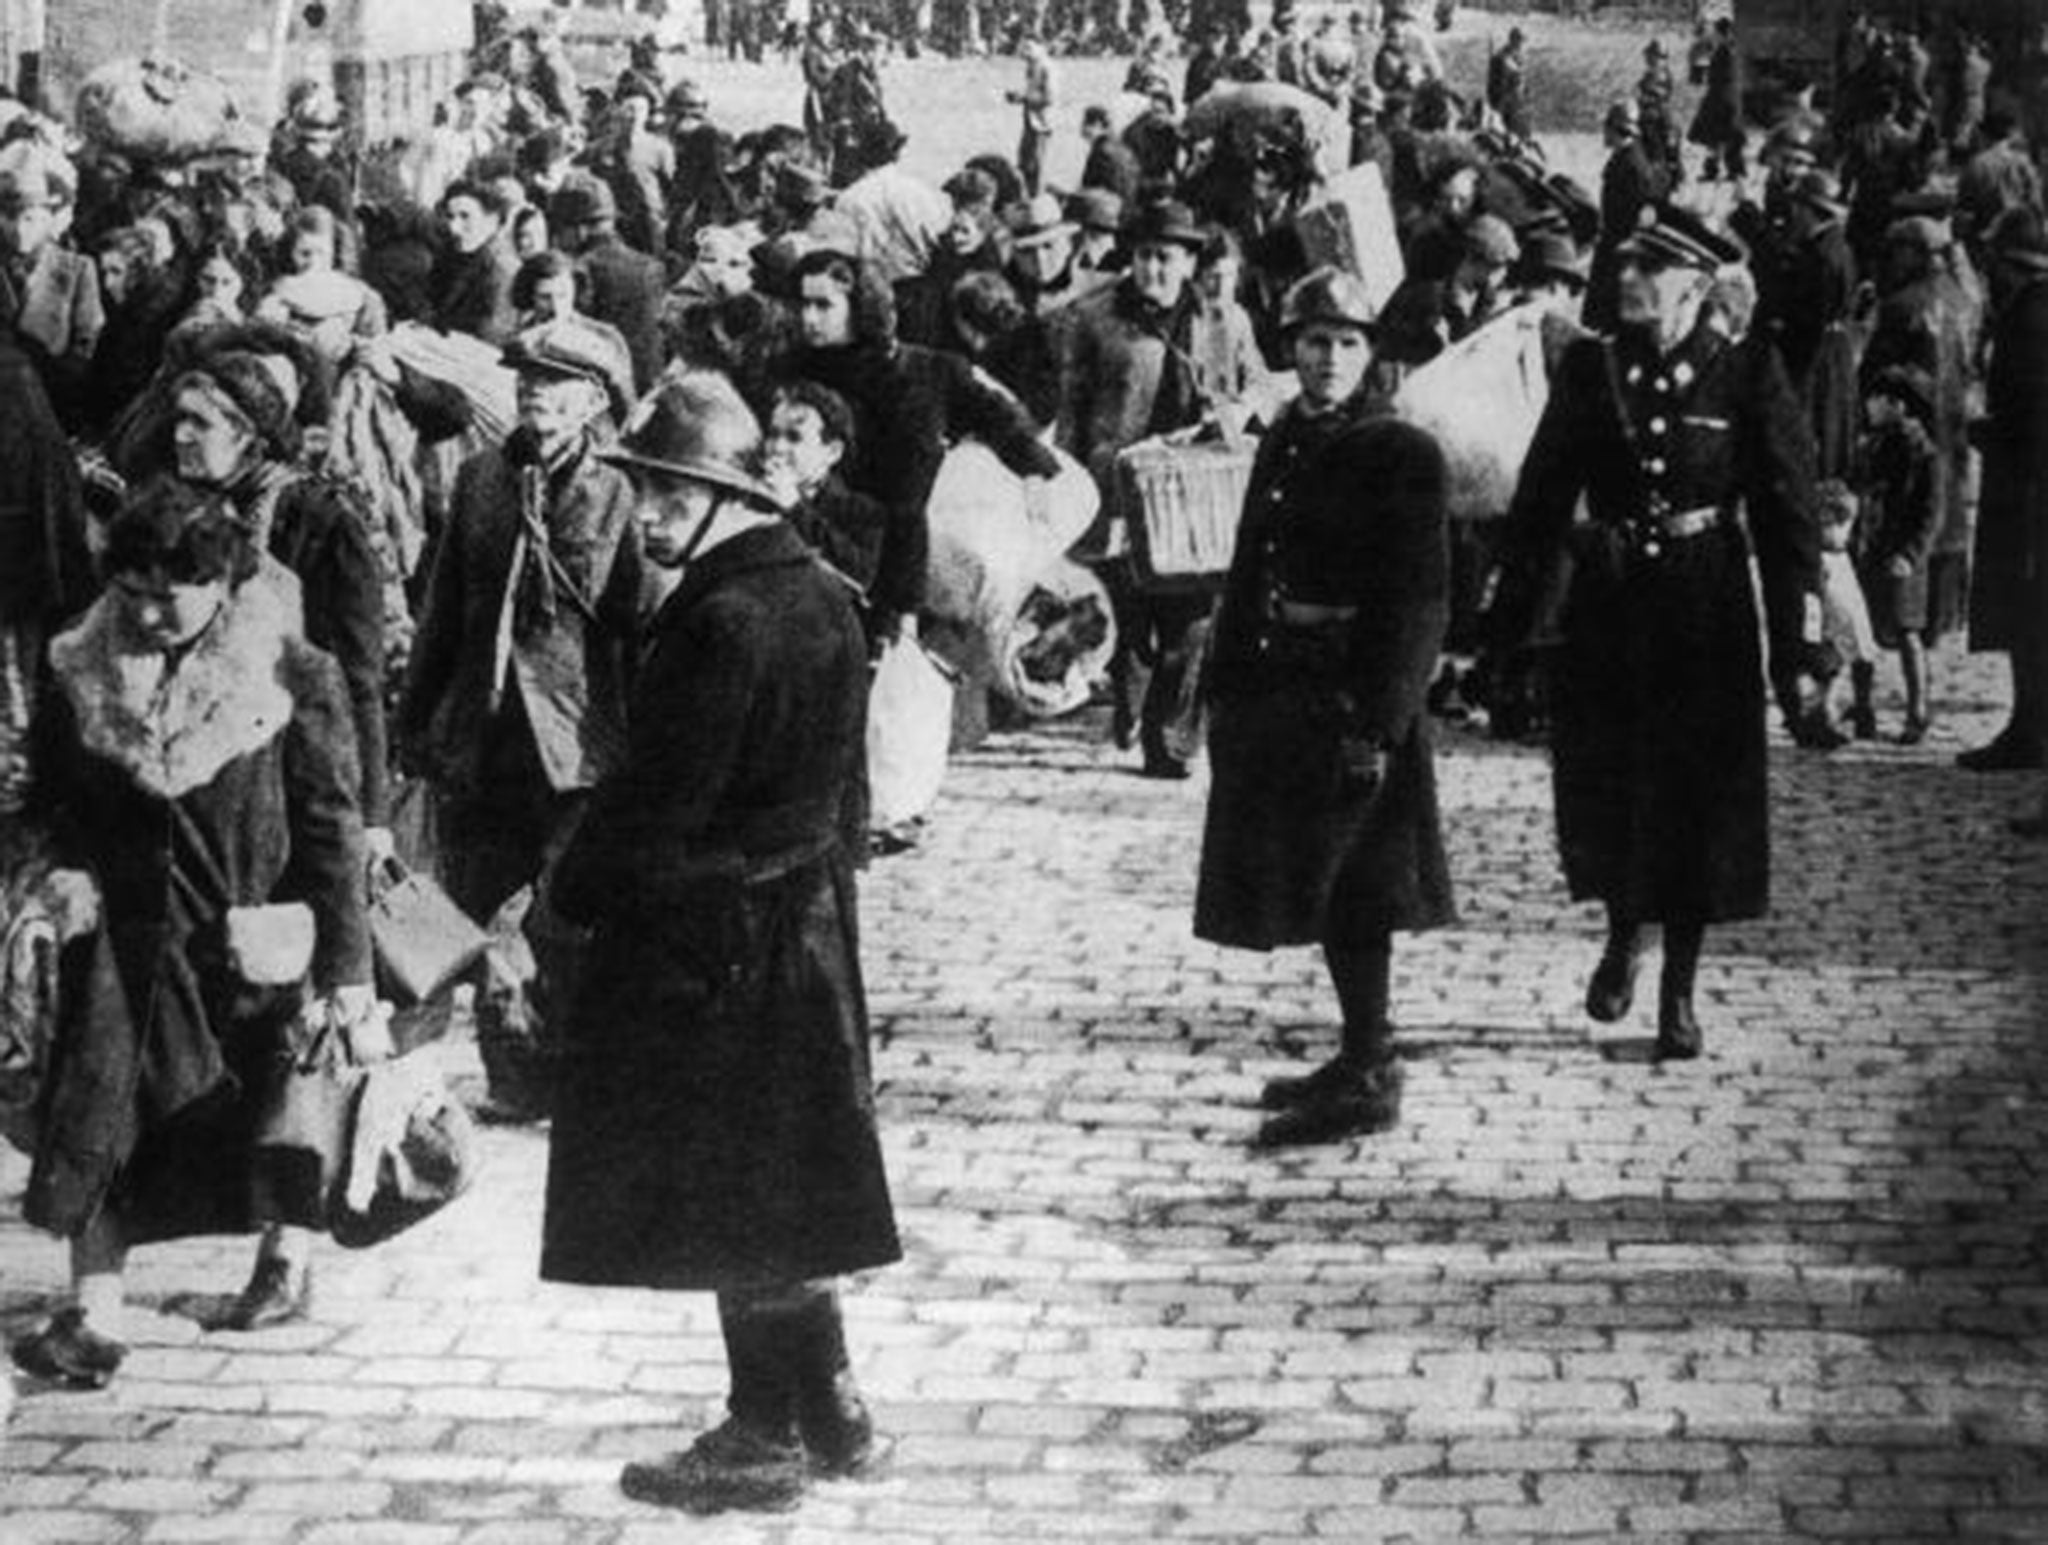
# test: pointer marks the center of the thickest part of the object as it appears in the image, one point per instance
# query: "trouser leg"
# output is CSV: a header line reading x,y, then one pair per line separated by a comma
x,y
1363,977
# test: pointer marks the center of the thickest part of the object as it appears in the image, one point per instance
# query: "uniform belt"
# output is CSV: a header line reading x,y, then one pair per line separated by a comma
x,y
1681,524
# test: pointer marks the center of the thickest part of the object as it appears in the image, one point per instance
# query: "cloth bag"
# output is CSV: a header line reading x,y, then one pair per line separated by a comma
x,y
412,1150
423,941
910,723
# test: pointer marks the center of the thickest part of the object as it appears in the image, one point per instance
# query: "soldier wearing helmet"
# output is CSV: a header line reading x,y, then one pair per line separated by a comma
x,y
715,1130
1323,825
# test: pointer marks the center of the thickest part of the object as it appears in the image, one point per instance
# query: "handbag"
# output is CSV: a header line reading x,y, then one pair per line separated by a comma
x,y
412,1150
422,940
910,725
301,1148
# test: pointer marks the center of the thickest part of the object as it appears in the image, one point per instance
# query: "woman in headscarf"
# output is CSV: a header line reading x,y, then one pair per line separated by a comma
x,y
196,758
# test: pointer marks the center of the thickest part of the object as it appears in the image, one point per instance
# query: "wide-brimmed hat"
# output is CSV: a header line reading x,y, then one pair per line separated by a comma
x,y
695,427
571,349
1490,240
1673,237
1164,220
1327,294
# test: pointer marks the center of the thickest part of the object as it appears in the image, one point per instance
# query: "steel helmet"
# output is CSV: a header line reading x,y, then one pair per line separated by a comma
x,y
1327,294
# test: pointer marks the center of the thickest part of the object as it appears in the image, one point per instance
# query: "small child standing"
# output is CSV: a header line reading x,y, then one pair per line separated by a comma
x,y
1899,528
1845,620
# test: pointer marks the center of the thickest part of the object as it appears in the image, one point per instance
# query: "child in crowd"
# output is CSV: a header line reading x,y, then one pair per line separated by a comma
x,y
810,432
1899,527
1845,619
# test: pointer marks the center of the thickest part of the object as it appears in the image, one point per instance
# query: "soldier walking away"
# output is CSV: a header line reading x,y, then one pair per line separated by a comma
x,y
1657,742
716,1127
1322,825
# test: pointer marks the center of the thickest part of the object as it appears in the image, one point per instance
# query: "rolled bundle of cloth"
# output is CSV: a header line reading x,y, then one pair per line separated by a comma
x,y
1014,612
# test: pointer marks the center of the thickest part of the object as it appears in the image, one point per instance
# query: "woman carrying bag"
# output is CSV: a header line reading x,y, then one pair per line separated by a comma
x,y
196,757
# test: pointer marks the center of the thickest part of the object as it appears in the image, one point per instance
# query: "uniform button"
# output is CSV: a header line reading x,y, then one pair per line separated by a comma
x,y
1635,375
1658,426
1656,465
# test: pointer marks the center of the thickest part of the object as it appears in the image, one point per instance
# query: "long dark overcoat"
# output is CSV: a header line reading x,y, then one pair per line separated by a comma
x,y
715,1124
2012,511
1657,735
1330,623
235,785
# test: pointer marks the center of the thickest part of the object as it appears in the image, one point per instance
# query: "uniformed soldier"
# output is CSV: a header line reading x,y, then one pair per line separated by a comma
x,y
1323,825
1673,433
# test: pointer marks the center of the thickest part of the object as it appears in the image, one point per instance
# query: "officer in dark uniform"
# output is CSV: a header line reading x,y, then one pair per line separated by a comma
x,y
1679,439
1323,824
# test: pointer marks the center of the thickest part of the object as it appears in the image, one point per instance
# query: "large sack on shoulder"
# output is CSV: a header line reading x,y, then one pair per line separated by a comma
x,y
156,110
1481,398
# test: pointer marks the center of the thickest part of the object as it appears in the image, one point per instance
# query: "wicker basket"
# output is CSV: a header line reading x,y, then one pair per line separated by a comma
x,y
1183,503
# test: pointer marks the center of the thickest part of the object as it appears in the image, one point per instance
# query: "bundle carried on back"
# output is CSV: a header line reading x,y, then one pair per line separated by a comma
x,y
158,110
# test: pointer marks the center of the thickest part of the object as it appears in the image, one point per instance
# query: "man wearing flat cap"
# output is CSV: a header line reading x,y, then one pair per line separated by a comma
x,y
716,1127
1669,430
1323,826
515,702
627,286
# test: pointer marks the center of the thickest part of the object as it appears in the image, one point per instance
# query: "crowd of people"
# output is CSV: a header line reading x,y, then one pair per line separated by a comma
x,y
269,570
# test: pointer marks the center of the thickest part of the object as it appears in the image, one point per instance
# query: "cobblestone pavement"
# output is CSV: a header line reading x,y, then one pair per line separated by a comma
x,y
1793,1291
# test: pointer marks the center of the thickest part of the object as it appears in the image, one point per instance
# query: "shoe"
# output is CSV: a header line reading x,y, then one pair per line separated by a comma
x,y
1292,1092
1818,734
501,1108
1368,1102
733,1467
70,1352
1678,1031
1611,990
2005,753
1913,732
275,1295
1159,765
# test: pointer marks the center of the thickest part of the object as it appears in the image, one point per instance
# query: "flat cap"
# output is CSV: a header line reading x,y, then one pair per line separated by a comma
x,y
572,348
582,199
1097,209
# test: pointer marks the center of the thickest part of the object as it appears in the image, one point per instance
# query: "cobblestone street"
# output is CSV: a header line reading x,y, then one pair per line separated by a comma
x,y
1798,1289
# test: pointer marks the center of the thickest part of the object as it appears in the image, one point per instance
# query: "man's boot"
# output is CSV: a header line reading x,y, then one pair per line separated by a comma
x,y
837,1429
1678,1028
752,1461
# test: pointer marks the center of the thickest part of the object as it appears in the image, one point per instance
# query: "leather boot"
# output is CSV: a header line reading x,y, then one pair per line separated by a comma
x,y
1367,1102
752,1461
1611,990
837,1428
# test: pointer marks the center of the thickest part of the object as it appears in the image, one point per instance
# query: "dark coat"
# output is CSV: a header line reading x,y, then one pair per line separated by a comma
x,y
472,291
45,569
2012,510
155,1073
844,528
1290,853
627,289
1718,120
1113,166
910,404
1629,183
1658,713
715,1125
314,528
570,676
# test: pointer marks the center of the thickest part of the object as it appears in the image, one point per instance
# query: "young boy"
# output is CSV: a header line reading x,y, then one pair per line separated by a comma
x,y
810,432
1899,527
